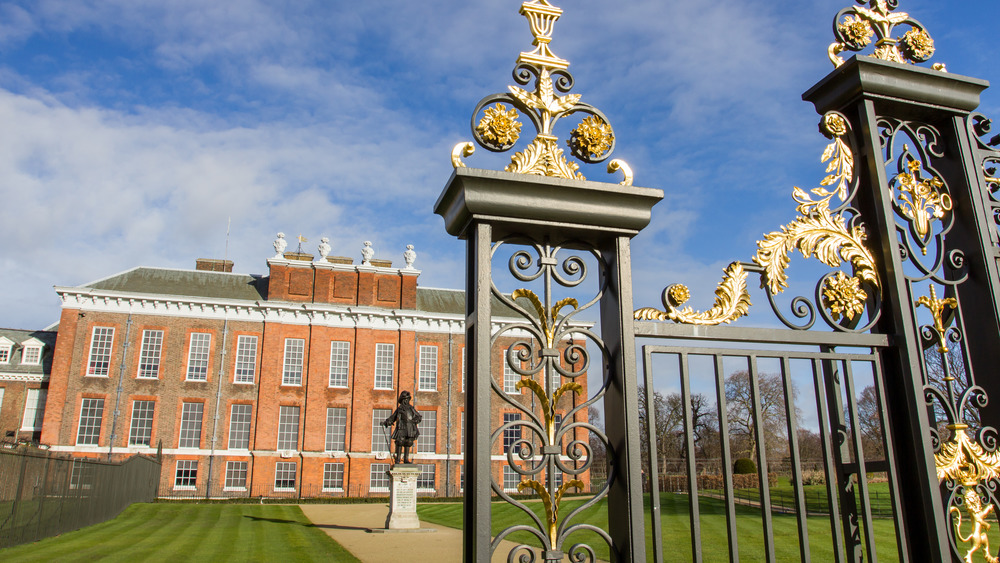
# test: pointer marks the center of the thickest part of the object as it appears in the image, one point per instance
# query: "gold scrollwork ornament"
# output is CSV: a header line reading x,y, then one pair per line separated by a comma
x,y
861,25
732,301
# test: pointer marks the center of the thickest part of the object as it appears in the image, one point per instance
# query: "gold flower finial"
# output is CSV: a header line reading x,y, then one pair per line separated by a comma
x,y
857,26
937,309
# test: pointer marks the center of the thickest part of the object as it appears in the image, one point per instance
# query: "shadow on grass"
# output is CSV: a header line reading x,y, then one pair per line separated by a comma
x,y
280,521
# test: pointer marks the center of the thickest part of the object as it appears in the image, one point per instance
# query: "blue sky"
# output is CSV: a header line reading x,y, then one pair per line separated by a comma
x,y
134,130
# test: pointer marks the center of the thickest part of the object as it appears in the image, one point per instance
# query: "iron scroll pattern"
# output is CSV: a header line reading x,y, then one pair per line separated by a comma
x,y
829,228
987,149
966,458
547,345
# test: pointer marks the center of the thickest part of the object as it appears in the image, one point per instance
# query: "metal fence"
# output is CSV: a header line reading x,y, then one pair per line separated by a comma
x,y
43,495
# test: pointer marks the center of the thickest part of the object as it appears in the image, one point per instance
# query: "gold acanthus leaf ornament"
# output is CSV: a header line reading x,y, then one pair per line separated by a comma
x,y
732,301
543,157
816,232
551,505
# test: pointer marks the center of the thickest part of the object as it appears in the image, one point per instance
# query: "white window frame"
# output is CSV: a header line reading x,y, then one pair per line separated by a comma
x,y
245,422
295,354
330,477
234,470
378,434
385,365
190,467
93,408
245,367
428,369
1,397
281,469
464,375
336,429
99,357
512,434
509,476
143,414
377,476
427,439
6,349
188,414
33,348
199,355
425,469
149,354
288,427
510,377
34,410
340,363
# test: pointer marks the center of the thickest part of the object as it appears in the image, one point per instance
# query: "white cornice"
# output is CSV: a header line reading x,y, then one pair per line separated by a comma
x,y
26,377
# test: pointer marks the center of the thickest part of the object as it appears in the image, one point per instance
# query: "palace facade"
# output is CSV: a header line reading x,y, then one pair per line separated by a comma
x,y
270,385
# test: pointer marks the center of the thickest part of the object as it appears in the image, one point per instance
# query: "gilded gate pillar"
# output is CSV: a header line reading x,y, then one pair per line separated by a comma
x,y
559,228
488,207
929,231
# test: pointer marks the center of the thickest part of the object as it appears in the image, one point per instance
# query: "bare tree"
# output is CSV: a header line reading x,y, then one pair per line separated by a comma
x,y
740,411
668,426
870,424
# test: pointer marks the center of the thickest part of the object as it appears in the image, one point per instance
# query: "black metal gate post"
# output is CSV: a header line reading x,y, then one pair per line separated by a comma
x,y
487,207
909,121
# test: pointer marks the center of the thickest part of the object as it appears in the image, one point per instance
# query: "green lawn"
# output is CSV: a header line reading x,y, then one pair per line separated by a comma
x,y
676,529
191,532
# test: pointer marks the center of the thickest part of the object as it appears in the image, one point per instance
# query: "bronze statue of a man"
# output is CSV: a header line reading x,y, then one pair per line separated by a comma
x,y
406,418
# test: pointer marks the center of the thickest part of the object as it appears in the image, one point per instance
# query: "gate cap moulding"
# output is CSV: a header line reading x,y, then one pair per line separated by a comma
x,y
512,202
883,80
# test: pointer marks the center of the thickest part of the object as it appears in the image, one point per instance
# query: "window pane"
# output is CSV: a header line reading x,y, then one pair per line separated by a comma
x,y
34,410
378,478
141,431
288,428
246,359
336,429
5,353
186,476
425,480
427,440
149,354
512,434
340,361
511,479
100,351
91,413
427,380
239,427
380,439
294,355
236,475
333,476
510,377
385,359
32,355
191,425
284,476
201,344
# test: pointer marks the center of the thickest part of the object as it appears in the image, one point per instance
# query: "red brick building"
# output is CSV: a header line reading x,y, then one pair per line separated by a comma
x,y
25,362
266,385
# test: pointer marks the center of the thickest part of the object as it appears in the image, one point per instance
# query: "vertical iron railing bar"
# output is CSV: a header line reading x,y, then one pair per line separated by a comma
x,y
836,533
727,466
902,542
654,450
859,457
793,445
764,487
841,459
692,469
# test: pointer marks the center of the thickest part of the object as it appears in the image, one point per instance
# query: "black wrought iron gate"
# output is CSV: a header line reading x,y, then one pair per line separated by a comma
x,y
883,368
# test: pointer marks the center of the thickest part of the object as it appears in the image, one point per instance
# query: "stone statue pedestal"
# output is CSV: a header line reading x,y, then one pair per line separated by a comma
x,y
403,497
